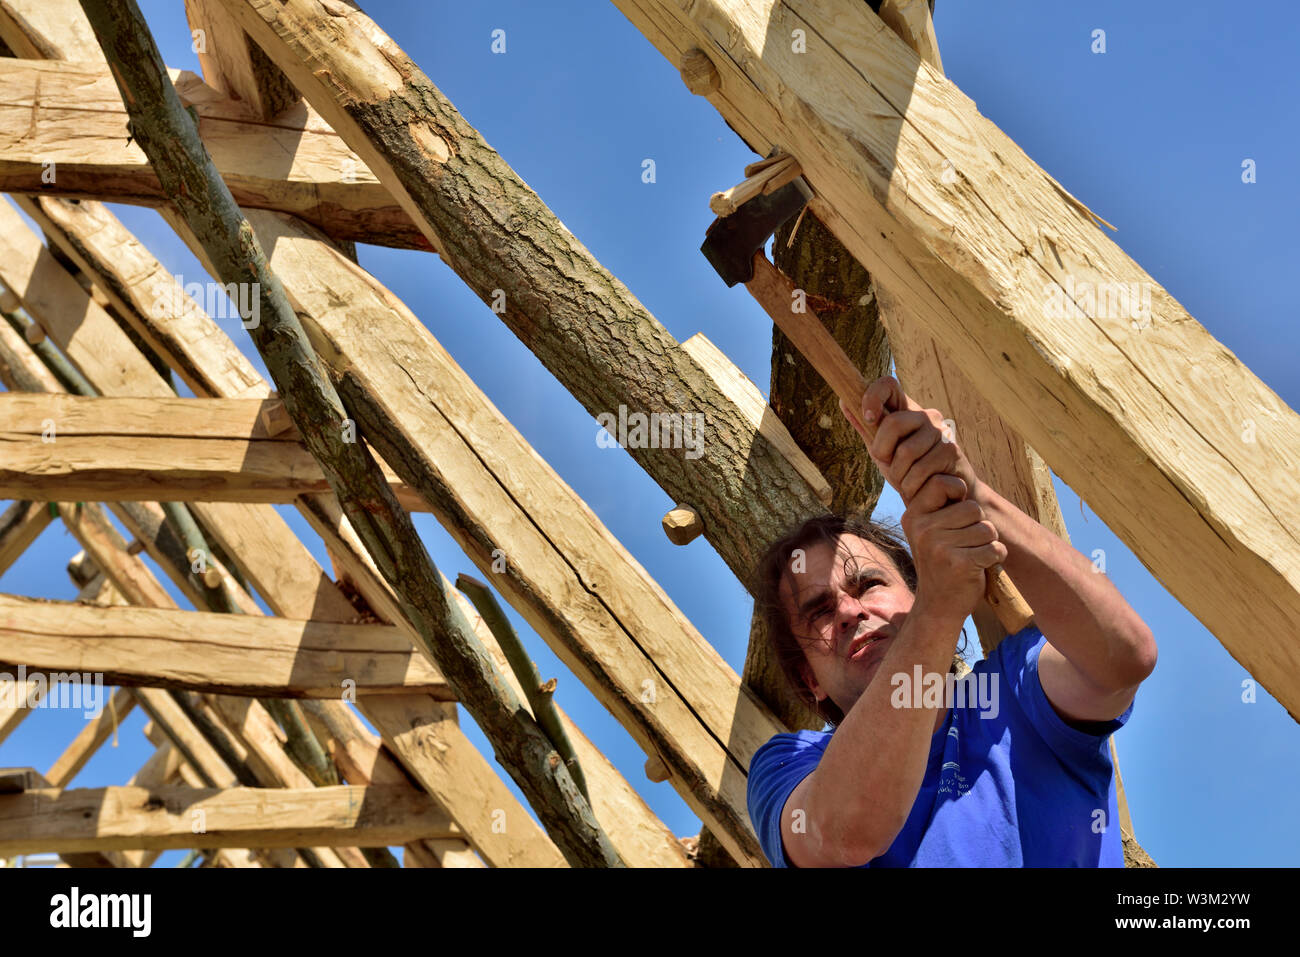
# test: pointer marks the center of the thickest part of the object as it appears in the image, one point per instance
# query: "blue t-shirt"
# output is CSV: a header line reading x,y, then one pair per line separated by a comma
x,y
1021,788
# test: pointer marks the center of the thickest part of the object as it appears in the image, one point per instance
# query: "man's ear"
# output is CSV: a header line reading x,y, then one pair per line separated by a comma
x,y
810,680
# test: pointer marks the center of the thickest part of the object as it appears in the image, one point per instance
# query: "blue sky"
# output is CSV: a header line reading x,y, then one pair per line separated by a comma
x,y
1150,134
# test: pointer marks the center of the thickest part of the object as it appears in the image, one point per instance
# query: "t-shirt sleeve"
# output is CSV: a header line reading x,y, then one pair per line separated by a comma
x,y
774,773
1019,659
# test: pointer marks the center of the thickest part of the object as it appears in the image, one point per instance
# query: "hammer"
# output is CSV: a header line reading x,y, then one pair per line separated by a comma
x,y
734,246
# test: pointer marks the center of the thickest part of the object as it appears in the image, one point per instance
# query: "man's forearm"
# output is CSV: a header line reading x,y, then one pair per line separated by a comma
x,y
1077,607
868,780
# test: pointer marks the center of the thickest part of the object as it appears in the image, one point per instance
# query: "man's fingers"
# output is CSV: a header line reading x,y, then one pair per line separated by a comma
x,y
883,396
975,535
986,556
896,427
940,457
867,435
937,492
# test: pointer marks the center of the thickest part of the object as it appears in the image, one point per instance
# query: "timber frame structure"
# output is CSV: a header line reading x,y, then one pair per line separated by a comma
x,y
949,236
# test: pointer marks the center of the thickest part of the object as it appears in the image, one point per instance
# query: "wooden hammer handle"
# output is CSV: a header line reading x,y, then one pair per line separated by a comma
x,y
775,293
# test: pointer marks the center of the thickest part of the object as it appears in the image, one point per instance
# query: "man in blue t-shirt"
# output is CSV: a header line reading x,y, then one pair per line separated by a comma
x,y
1007,766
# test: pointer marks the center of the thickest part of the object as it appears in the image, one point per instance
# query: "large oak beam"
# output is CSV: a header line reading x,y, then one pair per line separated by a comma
x,y
77,448
362,759
63,131
234,64
177,328
20,525
1192,463
132,818
223,654
45,30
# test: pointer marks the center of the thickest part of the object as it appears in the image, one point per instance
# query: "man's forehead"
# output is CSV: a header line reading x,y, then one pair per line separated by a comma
x,y
822,562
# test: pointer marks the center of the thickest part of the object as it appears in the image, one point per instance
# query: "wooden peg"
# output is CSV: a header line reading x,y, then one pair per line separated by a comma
x,y
656,770
275,417
699,74
683,525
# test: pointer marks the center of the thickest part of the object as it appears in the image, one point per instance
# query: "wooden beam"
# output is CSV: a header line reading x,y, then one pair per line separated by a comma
x,y
1188,463
489,225
741,391
223,654
16,706
144,418
363,759
20,525
88,739
45,30
18,781
162,769
128,818
138,286
563,570
101,452
234,64
70,114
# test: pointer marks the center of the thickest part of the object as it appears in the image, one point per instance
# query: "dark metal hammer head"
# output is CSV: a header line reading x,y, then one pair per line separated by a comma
x,y
731,241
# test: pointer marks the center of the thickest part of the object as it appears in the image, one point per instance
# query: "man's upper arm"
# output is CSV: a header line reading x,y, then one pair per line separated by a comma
x,y
1071,716
778,774
1079,702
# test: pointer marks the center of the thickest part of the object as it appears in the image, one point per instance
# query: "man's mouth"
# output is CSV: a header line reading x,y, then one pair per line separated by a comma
x,y
858,647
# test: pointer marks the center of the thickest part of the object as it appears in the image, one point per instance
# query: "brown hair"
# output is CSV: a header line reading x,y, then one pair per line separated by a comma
x,y
771,572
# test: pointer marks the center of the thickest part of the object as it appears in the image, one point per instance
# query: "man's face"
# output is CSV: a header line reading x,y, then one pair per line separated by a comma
x,y
845,605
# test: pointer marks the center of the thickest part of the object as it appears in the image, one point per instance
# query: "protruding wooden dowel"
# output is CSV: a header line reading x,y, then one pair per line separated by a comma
x,y
683,525
698,72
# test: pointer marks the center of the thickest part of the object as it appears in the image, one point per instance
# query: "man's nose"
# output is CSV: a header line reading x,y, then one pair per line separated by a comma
x,y
849,612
